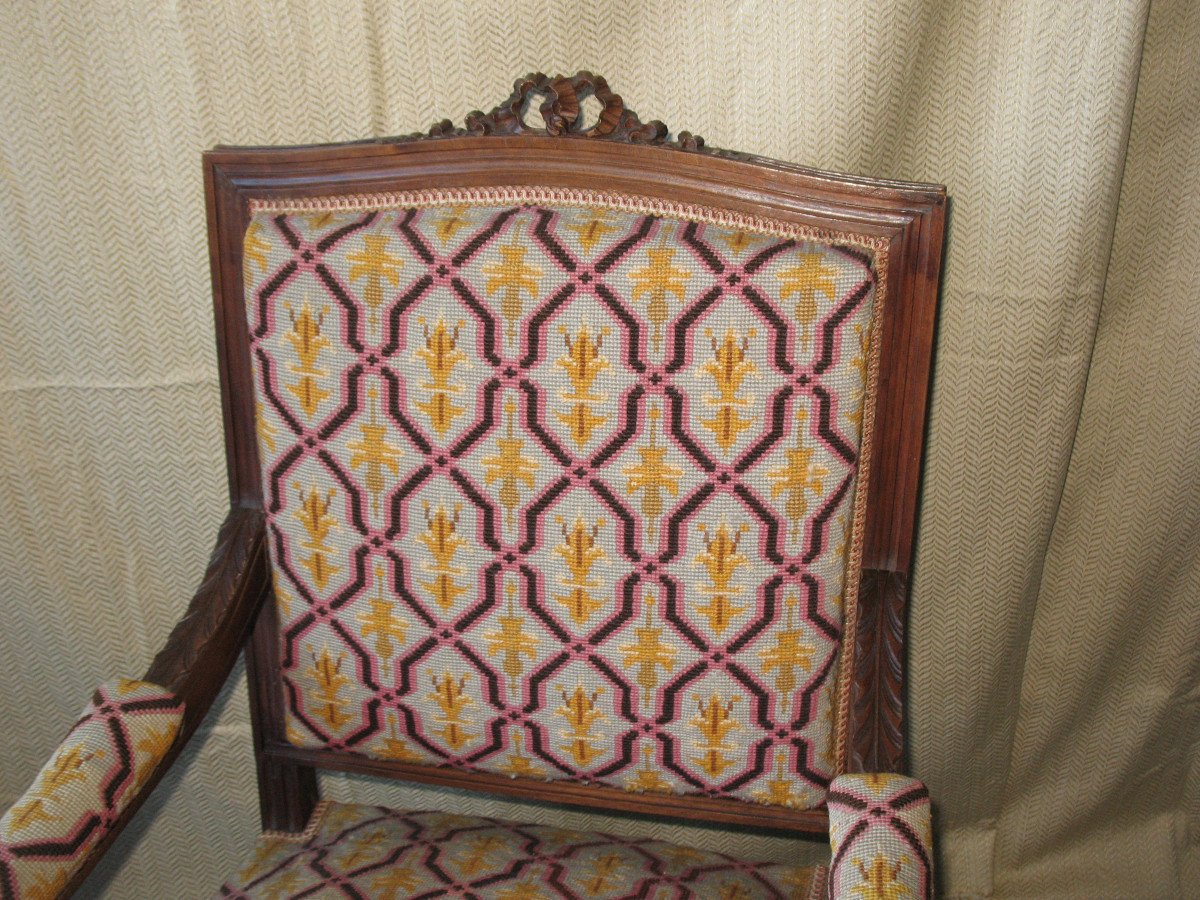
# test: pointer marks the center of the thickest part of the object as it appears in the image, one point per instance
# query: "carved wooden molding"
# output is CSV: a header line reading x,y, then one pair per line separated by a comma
x,y
877,693
561,109
238,549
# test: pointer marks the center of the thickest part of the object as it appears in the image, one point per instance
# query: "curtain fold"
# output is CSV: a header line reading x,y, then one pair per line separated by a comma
x,y
1054,670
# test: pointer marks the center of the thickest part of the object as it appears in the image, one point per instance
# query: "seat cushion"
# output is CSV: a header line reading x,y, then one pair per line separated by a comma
x,y
353,850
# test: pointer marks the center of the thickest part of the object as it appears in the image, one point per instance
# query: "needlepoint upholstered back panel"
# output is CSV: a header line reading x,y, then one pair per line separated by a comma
x,y
563,485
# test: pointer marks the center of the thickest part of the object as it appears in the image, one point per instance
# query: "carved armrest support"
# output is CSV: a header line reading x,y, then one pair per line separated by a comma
x,y
876,711
881,835
205,643
189,673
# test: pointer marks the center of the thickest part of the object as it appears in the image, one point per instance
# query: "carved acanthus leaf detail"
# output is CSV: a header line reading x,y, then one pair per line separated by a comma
x,y
876,711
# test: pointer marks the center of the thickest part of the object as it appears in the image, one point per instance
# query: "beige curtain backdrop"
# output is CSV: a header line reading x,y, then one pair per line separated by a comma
x,y
1055,665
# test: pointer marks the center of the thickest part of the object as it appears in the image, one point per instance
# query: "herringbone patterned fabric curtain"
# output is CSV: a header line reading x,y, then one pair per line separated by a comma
x,y
1055,661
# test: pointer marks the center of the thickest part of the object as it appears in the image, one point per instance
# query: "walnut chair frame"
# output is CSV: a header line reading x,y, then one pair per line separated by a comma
x,y
627,156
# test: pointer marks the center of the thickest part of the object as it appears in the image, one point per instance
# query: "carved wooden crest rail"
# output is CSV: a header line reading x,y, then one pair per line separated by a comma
x,y
562,111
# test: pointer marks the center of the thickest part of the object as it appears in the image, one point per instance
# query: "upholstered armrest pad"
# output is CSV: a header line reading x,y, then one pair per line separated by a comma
x,y
118,742
882,837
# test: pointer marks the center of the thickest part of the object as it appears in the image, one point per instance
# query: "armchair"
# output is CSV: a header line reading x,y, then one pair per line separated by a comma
x,y
571,462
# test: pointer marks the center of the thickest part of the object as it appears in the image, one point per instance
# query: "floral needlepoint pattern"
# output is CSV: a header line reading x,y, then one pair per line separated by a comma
x,y
560,489
880,832
117,743
369,851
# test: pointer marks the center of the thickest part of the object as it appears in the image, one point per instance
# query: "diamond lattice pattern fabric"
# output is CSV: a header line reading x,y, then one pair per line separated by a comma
x,y
562,486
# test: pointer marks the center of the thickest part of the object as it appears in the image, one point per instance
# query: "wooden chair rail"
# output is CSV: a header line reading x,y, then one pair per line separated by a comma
x,y
729,812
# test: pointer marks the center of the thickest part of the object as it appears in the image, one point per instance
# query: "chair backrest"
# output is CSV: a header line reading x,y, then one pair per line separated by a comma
x,y
589,458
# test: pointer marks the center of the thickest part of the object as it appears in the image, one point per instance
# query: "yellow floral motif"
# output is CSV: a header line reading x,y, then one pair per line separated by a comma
x,y
442,541
656,281
29,813
388,883
264,851
653,475
859,362
339,816
648,654
714,722
680,856
48,886
314,515
789,654
511,639
126,686
291,732
382,622
155,742
603,874
266,431
580,712
647,778
592,227
879,882
583,365
394,746
521,891
322,219
510,467
721,560
731,890
518,765
800,881
839,552
375,264
284,886
66,768
284,599
327,673
738,241
795,478
374,452
449,224
440,355
881,781
512,276
477,855
254,250
829,715
579,552
359,849
729,367
780,789
808,278
307,342
449,693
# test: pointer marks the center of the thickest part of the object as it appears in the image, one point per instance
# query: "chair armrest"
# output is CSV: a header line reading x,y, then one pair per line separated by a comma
x,y
881,835
139,726
119,740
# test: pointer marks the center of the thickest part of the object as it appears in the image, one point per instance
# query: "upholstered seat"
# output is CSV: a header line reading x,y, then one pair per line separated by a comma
x,y
880,831
577,464
370,851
